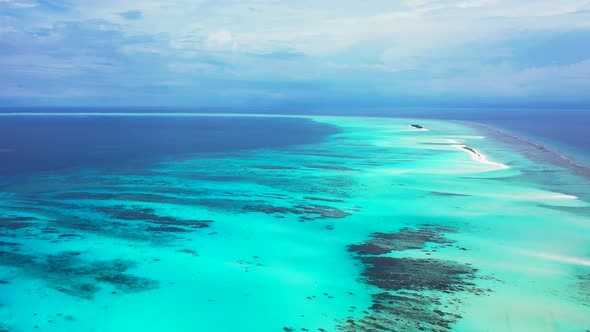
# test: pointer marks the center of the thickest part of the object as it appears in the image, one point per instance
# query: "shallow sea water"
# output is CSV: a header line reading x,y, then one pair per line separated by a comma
x,y
379,226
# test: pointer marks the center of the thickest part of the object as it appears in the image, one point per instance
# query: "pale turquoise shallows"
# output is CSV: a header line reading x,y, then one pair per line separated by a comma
x,y
383,226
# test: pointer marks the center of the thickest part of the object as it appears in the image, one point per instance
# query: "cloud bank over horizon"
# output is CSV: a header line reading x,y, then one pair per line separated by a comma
x,y
273,53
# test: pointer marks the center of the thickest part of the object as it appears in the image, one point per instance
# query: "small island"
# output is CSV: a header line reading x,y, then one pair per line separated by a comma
x,y
472,151
417,126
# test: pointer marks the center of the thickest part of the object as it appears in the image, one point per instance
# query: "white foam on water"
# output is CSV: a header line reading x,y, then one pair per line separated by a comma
x,y
555,257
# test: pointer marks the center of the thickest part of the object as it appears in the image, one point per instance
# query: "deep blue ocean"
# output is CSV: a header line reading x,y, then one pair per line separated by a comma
x,y
56,143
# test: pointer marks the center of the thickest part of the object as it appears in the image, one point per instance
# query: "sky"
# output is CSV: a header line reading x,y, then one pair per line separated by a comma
x,y
299,53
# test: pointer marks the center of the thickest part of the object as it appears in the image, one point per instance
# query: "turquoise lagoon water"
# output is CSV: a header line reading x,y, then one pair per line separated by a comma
x,y
378,226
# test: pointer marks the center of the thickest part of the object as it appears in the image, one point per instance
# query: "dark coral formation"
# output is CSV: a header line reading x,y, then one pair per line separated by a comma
x,y
331,168
188,251
68,212
127,197
148,215
273,167
417,274
68,273
14,223
583,289
166,229
415,294
331,154
405,239
329,200
404,311
304,211
446,194
8,244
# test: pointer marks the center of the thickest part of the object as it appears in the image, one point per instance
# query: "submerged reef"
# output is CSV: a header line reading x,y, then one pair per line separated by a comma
x,y
273,167
417,274
331,168
68,273
305,212
148,215
69,215
329,200
412,294
404,239
13,223
8,244
583,289
446,194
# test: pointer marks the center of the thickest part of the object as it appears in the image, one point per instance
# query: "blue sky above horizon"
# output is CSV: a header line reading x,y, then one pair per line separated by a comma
x,y
229,53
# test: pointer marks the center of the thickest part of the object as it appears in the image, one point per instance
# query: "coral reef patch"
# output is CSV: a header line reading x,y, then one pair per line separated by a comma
x,y
68,273
305,211
404,239
412,294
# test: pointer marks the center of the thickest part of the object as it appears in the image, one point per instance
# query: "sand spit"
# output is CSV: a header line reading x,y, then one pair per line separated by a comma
x,y
480,157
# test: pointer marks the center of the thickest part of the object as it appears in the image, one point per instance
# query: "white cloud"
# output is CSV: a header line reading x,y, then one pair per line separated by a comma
x,y
221,40
504,80
18,4
442,39
328,27
7,29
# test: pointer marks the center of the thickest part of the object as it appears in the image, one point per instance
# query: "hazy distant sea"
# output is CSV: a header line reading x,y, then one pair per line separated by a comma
x,y
563,131
49,143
